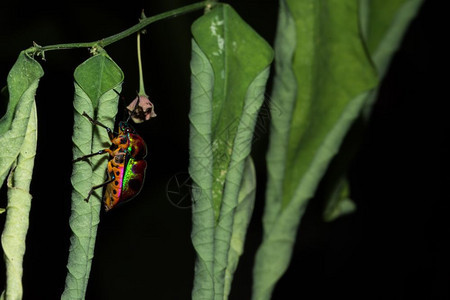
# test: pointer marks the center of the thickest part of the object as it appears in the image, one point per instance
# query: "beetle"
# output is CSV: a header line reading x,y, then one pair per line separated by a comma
x,y
126,167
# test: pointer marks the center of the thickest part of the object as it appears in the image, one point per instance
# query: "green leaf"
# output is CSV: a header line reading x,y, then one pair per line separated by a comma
x,y
100,65
23,81
322,77
18,137
339,202
95,95
228,81
383,24
18,210
228,51
242,218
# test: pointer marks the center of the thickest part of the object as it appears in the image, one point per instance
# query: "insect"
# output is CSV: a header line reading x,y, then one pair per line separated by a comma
x,y
126,167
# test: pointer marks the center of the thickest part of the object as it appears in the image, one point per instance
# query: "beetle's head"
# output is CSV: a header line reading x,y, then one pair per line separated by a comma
x,y
125,128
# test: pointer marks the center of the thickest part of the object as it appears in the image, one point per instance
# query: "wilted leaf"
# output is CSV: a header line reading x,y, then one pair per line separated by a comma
x,y
242,218
323,75
339,203
95,82
23,81
18,210
383,25
324,80
18,137
228,81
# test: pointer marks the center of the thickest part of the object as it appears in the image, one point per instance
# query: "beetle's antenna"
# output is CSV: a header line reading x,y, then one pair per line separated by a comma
x,y
118,94
122,98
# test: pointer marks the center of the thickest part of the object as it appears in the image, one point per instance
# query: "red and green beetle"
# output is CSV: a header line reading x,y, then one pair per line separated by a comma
x,y
126,167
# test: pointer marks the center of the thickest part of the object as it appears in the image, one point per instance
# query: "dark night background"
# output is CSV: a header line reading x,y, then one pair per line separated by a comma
x,y
394,247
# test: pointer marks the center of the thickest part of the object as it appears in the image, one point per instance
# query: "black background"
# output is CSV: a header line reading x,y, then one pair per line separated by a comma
x,y
394,247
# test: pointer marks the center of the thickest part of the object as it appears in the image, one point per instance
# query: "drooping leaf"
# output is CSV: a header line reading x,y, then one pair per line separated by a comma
x,y
383,25
18,137
201,171
95,82
228,81
23,80
18,210
242,218
330,27
339,203
323,75
101,65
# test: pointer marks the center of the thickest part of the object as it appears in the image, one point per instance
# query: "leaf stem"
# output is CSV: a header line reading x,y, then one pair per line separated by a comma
x,y
141,75
39,50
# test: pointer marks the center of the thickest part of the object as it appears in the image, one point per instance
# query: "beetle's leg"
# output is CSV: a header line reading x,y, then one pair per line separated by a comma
x,y
95,122
97,187
93,154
